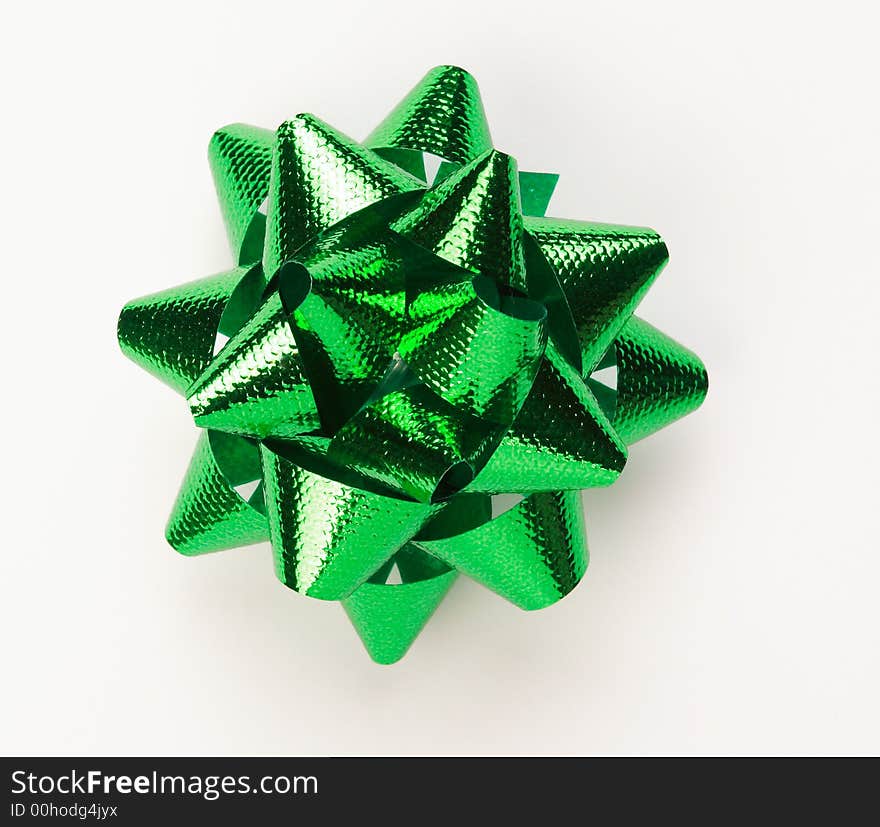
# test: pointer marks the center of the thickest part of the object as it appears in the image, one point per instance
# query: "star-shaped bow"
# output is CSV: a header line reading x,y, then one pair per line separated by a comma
x,y
393,349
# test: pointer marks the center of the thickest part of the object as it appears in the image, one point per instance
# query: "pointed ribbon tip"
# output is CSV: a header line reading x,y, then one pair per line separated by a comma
x,y
443,115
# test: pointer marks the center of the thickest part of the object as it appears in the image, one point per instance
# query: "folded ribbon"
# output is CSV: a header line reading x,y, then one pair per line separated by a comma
x,y
392,351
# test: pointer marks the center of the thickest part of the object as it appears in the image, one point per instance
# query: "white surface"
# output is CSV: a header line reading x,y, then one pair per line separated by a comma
x,y
731,604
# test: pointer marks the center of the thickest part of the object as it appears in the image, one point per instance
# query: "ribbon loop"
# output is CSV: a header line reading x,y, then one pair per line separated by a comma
x,y
329,537
443,115
532,555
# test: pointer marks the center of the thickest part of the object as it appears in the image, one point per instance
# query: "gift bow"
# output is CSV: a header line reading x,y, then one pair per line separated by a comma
x,y
393,350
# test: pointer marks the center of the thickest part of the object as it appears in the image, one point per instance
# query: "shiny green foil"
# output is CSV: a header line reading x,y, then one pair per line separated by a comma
x,y
391,352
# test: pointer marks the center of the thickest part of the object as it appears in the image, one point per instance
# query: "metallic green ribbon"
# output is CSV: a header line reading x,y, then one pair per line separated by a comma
x,y
391,352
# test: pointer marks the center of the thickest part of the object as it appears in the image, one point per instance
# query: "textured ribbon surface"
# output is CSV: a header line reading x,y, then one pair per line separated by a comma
x,y
393,350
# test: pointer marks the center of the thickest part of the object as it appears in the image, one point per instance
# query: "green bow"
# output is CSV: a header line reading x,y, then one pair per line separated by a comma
x,y
394,348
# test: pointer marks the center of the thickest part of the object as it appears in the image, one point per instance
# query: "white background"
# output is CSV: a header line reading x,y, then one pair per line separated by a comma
x,y
731,604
